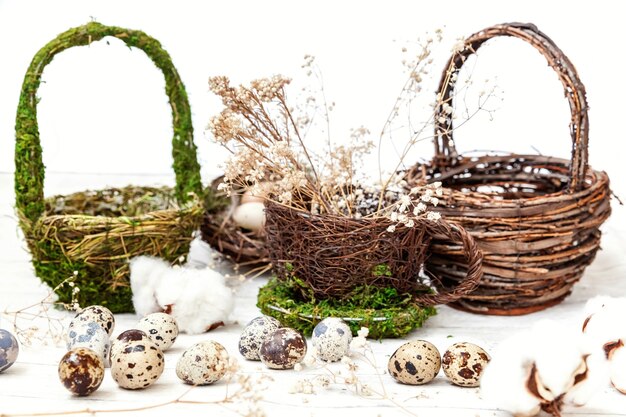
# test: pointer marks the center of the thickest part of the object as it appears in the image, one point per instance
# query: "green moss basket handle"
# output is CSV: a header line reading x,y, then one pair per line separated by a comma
x,y
29,168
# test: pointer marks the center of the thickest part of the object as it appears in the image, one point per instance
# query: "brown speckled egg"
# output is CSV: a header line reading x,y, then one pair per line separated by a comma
x,y
137,365
283,349
202,364
254,334
96,314
81,370
161,328
132,335
415,363
463,364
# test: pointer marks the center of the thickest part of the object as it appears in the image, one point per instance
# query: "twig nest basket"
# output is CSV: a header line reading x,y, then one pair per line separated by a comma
x,y
536,218
358,270
92,235
244,247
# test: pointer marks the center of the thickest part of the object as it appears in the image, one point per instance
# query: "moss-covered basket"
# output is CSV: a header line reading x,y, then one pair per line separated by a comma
x,y
92,235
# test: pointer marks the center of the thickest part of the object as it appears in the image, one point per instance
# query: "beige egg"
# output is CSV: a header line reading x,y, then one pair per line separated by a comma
x,y
138,365
251,197
250,216
415,363
464,363
203,363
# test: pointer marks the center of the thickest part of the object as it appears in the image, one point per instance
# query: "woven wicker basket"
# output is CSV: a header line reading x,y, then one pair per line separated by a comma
x,y
91,235
538,223
335,256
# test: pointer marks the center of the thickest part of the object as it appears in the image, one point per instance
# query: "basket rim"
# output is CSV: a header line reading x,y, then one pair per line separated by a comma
x,y
594,179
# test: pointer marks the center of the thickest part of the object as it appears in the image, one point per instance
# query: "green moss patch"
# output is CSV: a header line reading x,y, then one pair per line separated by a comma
x,y
383,310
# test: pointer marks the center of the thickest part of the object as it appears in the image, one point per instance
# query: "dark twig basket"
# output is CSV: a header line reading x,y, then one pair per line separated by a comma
x,y
538,222
244,247
92,235
333,256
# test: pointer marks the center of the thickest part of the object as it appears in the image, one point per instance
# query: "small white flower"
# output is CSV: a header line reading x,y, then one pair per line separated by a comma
x,y
391,228
363,332
433,216
410,223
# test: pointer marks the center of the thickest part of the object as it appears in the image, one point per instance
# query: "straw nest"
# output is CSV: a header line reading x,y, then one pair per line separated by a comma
x,y
91,235
536,218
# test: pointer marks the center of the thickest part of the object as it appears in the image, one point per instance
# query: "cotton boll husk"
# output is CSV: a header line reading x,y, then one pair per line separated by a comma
x,y
196,298
146,273
617,366
503,382
596,378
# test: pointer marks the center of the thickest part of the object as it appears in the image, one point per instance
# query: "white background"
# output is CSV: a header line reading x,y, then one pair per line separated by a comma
x,y
104,119
103,109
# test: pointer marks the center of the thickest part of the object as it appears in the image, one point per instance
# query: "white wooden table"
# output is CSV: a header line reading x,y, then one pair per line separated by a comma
x,y
31,386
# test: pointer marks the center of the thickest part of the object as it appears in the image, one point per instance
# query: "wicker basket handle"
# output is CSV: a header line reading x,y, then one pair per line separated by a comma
x,y
29,168
445,151
453,232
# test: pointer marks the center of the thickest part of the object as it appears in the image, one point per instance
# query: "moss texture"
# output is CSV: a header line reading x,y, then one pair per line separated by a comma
x,y
93,234
366,305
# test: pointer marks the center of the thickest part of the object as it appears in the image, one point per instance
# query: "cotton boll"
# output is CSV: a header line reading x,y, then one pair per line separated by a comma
x,y
145,276
201,255
196,298
504,380
558,360
593,378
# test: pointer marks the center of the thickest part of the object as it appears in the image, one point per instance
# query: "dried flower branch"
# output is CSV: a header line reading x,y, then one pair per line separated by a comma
x,y
52,329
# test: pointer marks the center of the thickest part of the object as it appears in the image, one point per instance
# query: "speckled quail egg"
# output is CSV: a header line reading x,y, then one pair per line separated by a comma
x,y
254,334
81,371
283,349
331,339
161,328
9,350
463,363
92,336
415,363
138,365
96,314
132,335
202,364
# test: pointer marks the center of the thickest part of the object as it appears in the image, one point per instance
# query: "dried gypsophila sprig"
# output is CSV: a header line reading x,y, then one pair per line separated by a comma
x,y
51,328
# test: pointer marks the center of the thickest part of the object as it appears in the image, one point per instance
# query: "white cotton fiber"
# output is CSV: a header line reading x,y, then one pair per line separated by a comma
x,y
146,273
196,298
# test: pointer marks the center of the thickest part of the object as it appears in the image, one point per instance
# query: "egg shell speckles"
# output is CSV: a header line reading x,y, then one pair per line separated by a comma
x,y
96,314
463,364
203,363
161,328
283,349
132,335
138,365
9,350
254,334
331,339
415,363
92,336
81,371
